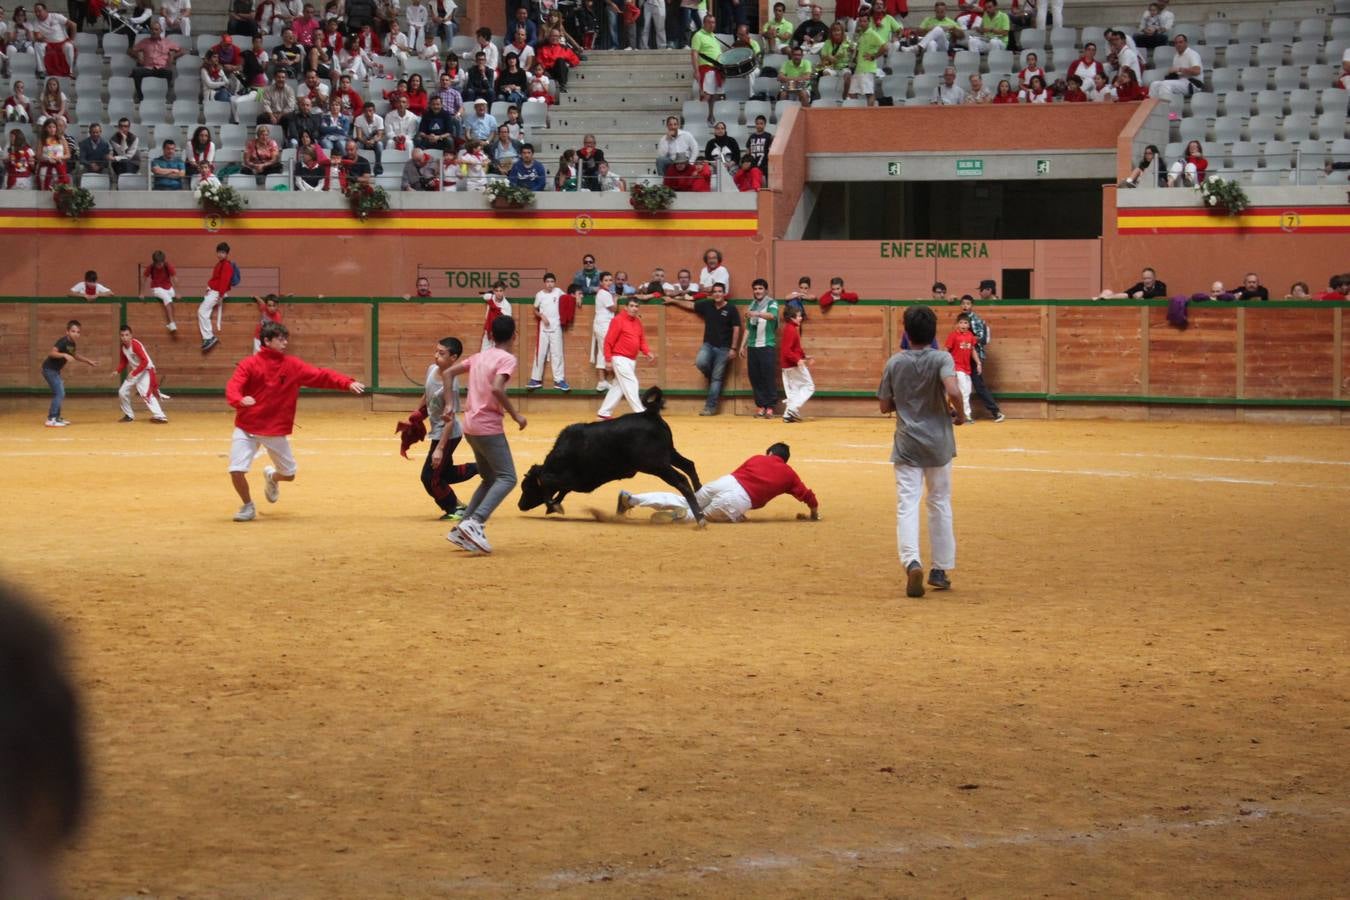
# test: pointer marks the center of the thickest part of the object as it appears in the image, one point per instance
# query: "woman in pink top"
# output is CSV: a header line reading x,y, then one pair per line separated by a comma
x,y
489,373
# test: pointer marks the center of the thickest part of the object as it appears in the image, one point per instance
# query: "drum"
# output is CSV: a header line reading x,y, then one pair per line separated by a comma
x,y
736,62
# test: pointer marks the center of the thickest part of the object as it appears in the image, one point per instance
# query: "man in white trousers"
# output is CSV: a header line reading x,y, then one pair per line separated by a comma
x,y
757,481
605,307
918,385
1043,8
653,34
548,310
141,378
1184,78
623,342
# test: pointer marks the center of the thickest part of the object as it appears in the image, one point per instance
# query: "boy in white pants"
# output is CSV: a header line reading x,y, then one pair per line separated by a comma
x,y
548,310
623,342
798,385
754,483
217,289
918,385
141,378
605,307
961,345
163,282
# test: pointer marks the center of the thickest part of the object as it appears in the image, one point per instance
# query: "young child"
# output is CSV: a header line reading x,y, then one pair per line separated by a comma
x,y
624,340
797,299
514,126
162,279
263,391
62,352
90,290
632,11
141,378
217,289
442,406
605,306
797,382
918,385
1030,70
548,312
269,309
489,373
497,305
835,294
961,345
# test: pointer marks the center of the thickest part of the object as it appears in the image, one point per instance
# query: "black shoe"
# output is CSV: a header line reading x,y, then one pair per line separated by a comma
x,y
939,580
126,419
914,580
209,345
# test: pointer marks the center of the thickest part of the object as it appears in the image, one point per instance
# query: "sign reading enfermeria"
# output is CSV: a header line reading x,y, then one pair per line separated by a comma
x,y
934,249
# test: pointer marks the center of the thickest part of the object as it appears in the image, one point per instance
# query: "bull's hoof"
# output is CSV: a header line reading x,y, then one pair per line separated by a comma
x,y
554,509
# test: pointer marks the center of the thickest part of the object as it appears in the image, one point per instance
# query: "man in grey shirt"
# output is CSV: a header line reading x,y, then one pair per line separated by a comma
x,y
919,386
439,475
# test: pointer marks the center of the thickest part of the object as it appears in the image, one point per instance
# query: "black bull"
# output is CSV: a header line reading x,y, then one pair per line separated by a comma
x,y
588,455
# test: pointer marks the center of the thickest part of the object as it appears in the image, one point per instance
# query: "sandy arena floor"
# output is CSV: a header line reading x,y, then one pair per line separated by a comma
x,y
1138,685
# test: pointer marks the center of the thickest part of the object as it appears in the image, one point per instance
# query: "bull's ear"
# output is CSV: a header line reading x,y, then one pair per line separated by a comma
x,y
533,471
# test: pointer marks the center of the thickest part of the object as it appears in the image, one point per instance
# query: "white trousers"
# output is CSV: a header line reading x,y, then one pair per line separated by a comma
x,y
550,349
984,45
625,385
244,446
723,500
141,385
653,34
597,353
934,41
210,302
1043,7
1188,169
1167,88
963,382
798,386
909,485
183,24
165,295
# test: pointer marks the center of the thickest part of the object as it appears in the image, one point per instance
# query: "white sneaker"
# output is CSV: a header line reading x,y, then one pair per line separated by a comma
x,y
473,531
246,513
601,387
172,326
56,423
461,541
271,490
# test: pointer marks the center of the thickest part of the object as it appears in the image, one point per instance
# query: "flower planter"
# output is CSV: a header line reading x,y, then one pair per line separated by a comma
x,y
505,203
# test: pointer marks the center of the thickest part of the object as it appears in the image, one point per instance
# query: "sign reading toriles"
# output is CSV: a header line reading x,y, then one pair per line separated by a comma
x,y
934,250
448,282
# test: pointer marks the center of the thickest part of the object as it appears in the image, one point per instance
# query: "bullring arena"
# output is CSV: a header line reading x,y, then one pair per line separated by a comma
x,y
1135,687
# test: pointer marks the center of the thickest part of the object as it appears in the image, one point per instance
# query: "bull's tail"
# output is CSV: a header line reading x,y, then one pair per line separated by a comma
x,y
653,401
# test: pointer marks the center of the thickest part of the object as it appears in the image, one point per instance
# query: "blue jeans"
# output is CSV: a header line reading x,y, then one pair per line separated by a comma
x,y
58,387
712,362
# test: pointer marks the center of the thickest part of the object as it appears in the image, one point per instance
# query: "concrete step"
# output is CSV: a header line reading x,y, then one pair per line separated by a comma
x,y
620,100
630,79
620,121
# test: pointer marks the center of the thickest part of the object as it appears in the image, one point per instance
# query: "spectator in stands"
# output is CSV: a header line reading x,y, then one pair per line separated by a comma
x,y
722,152
1128,88
523,49
436,131
175,17
993,30
503,148
540,88
334,128
1031,65
126,149
368,133
317,91
527,171
514,126
1298,291
1035,92
1004,93
1147,288
304,119
608,181
1338,287
714,271
948,92
396,45
683,175
480,124
420,172
836,55
310,173
777,32
1043,9
812,33
481,79
95,151
200,152
401,125
1252,288
513,84
1190,170
215,80
1073,91
256,63
262,156
871,46
349,62
452,101
240,21
674,142
1154,25
1151,167
652,30
565,179
18,107
474,164
795,77
288,56
1185,76
53,104
748,177
589,158
704,52
588,276
53,41
167,169
154,57
54,158
1100,90
557,59
1122,55
278,101
757,145
20,163
1343,81
1087,66
351,100
521,21
978,93
939,33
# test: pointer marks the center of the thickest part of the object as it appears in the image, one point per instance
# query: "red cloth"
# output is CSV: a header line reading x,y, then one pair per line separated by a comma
x,y
790,350
417,102
493,311
411,431
1005,98
221,276
1330,295
54,59
139,349
703,70
751,179
567,310
828,299
765,477
625,337
274,380
1072,96
551,53
1135,92
961,345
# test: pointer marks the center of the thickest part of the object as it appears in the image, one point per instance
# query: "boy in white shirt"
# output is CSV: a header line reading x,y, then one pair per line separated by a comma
x,y
497,306
548,310
605,306
89,289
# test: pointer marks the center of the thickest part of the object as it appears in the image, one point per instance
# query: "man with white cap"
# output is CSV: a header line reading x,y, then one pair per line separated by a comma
x,y
480,124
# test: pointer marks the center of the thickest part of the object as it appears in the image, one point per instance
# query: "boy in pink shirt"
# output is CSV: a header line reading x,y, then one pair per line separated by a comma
x,y
489,373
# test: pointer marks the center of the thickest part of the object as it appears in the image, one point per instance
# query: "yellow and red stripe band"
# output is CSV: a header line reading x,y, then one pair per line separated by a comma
x,y
1253,220
424,223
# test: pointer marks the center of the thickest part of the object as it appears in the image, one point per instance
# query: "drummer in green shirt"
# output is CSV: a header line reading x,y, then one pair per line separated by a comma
x,y
994,28
836,55
794,77
872,43
778,30
940,32
704,52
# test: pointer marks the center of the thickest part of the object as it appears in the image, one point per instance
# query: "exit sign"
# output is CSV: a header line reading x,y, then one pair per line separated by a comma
x,y
1042,167
892,168
969,168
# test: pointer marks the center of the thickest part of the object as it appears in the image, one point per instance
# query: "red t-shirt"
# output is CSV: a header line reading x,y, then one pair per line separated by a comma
x,y
765,477
1330,295
961,345
160,275
221,276
266,317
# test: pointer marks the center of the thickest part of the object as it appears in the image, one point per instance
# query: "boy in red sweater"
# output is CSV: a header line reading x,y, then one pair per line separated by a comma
x,y
961,345
798,385
269,310
217,289
263,391
835,294
757,481
624,340
162,278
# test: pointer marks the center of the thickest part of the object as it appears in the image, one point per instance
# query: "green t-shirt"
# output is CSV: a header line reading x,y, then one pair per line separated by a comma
x,y
707,46
930,23
841,53
888,25
792,70
999,21
870,42
781,30
762,332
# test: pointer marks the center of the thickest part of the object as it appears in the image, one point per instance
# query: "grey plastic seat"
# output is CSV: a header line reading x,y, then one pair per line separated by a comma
x,y
1305,54
895,86
1163,57
1296,127
1270,103
1278,154
1193,129
1237,104
186,112
120,86
1227,129
1266,178
1270,55
1303,101
1224,80
1288,78
1250,31
1334,99
690,111
1281,31
1033,38
120,64
86,42
999,60
233,136
1204,104
162,133
152,111
1238,54
1331,126
1174,150
1255,78
1340,26
205,42
1244,156
121,108
727,111
95,181
1340,150
755,108
966,62
534,115
1321,75
277,183
1217,33
154,89
88,109
114,44
1312,155
242,182
1262,128
906,63
1312,30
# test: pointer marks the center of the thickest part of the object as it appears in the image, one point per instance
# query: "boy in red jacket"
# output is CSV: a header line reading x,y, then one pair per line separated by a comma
x,y
758,480
835,294
217,288
263,390
624,340
961,345
798,385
